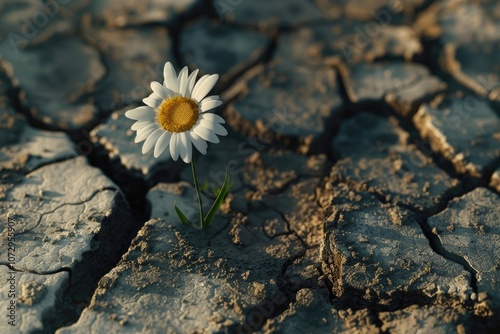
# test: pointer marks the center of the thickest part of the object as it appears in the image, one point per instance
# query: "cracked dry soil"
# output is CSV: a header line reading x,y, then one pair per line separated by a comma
x,y
364,147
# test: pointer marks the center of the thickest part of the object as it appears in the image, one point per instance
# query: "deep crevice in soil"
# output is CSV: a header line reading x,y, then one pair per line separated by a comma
x,y
106,255
106,250
438,248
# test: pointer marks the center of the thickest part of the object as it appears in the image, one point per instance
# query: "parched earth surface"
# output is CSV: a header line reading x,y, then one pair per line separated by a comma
x,y
363,147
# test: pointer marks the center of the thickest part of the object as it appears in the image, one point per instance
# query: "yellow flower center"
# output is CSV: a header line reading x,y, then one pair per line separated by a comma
x,y
177,114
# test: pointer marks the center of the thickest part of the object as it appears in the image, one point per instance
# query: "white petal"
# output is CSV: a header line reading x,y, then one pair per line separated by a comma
x,y
183,81
205,87
169,93
210,98
186,150
143,113
207,105
151,141
207,124
191,82
182,143
198,84
145,132
151,126
151,101
198,142
219,130
162,143
174,148
212,117
189,151
170,77
214,127
139,125
206,134
158,89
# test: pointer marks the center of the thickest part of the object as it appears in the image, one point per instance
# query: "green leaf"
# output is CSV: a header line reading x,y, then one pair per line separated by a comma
x,y
183,218
204,186
218,202
216,191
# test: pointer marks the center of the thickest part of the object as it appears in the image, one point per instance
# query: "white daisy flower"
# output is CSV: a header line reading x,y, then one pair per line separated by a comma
x,y
176,115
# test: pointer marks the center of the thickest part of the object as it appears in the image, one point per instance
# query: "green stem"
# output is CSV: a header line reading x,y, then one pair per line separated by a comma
x,y
197,187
